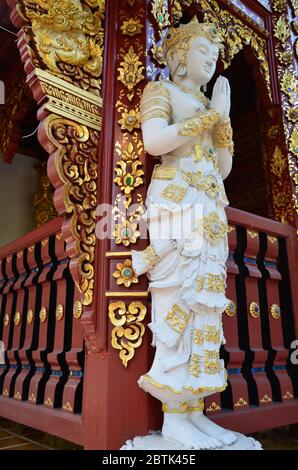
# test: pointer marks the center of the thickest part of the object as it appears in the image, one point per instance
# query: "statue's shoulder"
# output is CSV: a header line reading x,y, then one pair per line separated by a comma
x,y
157,88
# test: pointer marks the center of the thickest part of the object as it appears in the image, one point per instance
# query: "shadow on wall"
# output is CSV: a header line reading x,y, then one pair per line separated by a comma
x,y
18,183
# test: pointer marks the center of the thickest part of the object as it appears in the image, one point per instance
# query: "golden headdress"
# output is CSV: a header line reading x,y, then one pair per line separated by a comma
x,y
179,39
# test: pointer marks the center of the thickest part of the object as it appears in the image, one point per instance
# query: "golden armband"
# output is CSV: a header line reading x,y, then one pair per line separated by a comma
x,y
223,136
199,123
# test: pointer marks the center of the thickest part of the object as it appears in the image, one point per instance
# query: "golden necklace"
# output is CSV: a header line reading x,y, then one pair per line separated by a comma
x,y
198,95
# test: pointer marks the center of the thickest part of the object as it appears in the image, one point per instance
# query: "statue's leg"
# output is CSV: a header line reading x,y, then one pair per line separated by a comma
x,y
177,426
212,342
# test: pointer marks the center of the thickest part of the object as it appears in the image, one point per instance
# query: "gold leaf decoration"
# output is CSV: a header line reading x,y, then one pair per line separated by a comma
x,y
294,142
131,27
125,273
160,13
68,37
282,30
128,328
278,162
130,70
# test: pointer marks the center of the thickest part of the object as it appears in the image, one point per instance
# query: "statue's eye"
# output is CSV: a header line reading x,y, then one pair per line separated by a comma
x,y
169,35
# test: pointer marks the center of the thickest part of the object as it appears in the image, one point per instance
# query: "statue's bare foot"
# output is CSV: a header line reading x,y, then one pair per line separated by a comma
x,y
177,427
211,429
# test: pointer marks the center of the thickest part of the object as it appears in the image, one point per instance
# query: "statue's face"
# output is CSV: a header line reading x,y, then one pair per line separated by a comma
x,y
201,60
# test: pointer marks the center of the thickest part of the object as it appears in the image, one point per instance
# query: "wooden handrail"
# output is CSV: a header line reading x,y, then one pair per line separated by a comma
x,y
32,237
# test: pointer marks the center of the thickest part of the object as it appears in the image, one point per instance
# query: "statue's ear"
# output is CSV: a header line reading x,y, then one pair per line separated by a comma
x,y
176,63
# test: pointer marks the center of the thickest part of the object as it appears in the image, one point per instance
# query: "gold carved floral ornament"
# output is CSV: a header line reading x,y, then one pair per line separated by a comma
x,y
160,12
254,310
231,309
131,27
213,407
281,30
76,165
240,403
292,114
68,37
278,162
129,169
279,5
130,70
288,84
128,328
275,311
43,199
158,54
125,273
130,119
294,142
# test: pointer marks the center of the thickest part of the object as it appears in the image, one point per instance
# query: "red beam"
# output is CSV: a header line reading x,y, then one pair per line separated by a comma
x,y
59,423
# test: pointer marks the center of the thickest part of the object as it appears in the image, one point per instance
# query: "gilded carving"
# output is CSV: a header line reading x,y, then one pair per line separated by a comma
x,y
67,38
128,328
129,169
281,30
131,27
278,162
130,70
76,166
125,274
160,12
43,199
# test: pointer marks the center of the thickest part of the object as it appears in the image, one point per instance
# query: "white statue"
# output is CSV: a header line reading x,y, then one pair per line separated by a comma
x,y
187,273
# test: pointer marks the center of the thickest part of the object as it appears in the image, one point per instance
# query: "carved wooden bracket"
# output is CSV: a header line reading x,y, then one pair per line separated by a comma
x,y
61,46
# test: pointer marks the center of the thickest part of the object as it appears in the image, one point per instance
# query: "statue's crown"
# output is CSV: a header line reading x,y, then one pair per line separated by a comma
x,y
191,30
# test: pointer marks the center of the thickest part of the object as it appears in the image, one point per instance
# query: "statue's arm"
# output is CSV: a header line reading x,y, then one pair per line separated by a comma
x,y
160,136
223,142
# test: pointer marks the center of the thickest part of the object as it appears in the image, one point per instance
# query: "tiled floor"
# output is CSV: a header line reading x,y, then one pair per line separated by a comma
x,y
14,436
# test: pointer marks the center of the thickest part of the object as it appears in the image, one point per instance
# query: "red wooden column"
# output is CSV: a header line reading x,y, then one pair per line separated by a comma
x,y
231,331
45,320
275,320
18,319
53,392
25,353
8,321
254,321
72,399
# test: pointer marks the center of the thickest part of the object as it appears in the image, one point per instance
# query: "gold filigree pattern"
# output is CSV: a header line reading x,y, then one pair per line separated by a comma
x,y
214,228
211,334
164,172
231,309
129,169
43,199
266,399
213,407
68,38
177,318
281,29
125,274
173,192
17,318
130,70
77,310
275,311
131,27
195,365
6,320
160,13
59,312
254,310
211,362
155,102
288,396
278,162
198,124
240,403
76,166
294,142
128,328
198,337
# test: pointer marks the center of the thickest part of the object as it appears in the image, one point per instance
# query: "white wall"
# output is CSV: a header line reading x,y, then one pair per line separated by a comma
x,y
18,183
